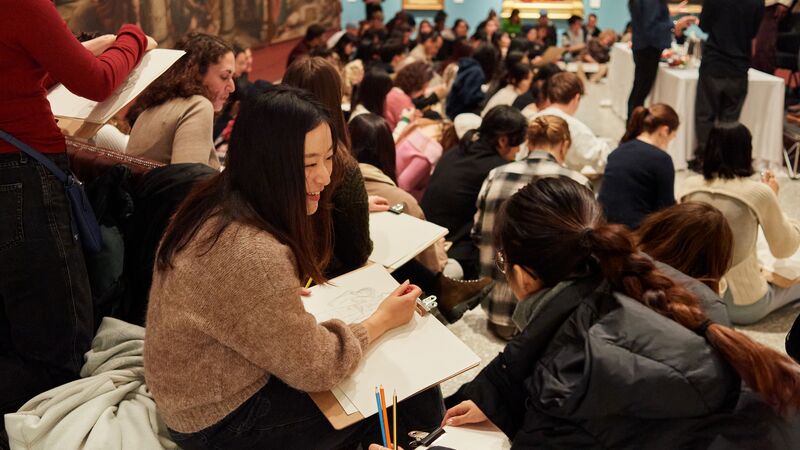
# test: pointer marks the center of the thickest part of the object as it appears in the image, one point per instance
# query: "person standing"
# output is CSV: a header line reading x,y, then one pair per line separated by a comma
x,y
764,56
544,21
46,318
652,33
722,86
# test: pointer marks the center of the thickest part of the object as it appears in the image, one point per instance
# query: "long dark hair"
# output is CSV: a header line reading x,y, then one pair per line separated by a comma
x,y
263,184
322,79
728,152
373,143
502,120
373,90
554,228
648,120
185,78
692,237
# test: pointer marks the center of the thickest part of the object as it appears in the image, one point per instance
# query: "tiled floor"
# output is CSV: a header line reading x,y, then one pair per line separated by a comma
x,y
771,331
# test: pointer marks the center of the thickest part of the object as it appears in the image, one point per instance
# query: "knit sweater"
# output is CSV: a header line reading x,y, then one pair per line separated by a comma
x,y
224,320
747,204
178,131
352,244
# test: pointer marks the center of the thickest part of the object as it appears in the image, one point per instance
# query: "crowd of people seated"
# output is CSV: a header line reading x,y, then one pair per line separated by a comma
x,y
616,297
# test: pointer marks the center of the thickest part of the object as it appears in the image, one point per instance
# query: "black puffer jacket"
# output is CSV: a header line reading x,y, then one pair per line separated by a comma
x,y
597,369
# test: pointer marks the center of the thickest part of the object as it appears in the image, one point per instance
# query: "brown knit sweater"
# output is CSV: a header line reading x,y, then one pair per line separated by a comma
x,y
220,323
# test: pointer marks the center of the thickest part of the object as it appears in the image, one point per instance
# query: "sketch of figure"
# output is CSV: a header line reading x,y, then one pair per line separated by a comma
x,y
352,306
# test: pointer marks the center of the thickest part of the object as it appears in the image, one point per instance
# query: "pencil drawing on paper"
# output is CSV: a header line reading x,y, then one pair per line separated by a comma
x,y
352,305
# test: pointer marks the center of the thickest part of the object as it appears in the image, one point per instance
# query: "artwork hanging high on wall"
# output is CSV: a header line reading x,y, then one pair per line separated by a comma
x,y
423,5
251,22
557,9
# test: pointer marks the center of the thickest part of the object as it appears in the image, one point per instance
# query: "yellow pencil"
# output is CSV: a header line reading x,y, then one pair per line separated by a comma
x,y
394,418
308,285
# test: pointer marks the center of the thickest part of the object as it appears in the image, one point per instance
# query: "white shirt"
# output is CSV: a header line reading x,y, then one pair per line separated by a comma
x,y
505,96
586,149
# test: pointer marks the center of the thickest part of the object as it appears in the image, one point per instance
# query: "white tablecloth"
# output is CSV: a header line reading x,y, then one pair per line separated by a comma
x,y
620,78
762,112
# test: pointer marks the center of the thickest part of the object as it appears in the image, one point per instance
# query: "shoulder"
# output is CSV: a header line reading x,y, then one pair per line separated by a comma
x,y
241,245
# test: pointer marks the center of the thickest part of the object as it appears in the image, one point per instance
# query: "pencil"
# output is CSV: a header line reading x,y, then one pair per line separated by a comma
x,y
394,418
380,415
308,285
385,417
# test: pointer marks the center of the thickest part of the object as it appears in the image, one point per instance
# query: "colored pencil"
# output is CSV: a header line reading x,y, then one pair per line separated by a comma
x,y
385,417
380,415
394,417
308,285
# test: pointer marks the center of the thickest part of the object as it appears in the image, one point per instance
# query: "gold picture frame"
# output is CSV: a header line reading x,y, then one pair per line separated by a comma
x,y
423,5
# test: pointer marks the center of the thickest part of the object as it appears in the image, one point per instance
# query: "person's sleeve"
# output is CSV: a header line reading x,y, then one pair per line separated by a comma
x,y
665,176
480,204
782,233
279,335
498,394
54,48
587,150
415,173
473,96
352,244
423,102
193,139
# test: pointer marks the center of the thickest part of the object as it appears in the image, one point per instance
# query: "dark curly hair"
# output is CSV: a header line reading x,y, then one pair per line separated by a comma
x,y
413,77
185,78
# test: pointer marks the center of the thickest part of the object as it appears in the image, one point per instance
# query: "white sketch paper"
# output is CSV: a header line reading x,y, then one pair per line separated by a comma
x,y
397,238
409,359
154,63
788,268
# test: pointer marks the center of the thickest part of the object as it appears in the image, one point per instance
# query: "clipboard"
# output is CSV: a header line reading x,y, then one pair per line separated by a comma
x,y
552,55
385,361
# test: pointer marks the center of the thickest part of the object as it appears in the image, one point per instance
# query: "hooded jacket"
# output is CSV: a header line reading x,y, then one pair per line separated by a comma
x,y
597,369
466,94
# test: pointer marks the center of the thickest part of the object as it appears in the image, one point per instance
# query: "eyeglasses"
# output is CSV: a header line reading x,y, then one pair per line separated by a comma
x,y
500,261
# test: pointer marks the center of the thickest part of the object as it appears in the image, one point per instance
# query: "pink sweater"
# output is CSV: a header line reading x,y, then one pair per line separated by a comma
x,y
396,102
416,156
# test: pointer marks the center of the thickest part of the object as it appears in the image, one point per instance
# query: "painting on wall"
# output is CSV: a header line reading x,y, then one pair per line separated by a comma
x,y
423,5
250,22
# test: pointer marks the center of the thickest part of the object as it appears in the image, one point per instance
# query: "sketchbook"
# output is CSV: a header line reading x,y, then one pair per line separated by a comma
x,y
398,238
409,359
67,105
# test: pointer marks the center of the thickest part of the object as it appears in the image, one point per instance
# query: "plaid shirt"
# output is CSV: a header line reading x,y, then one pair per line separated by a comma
x,y
499,186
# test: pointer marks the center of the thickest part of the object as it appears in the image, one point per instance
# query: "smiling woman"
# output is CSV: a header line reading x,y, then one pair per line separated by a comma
x,y
173,119
227,280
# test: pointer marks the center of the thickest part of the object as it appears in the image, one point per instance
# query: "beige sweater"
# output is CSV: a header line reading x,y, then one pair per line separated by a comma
x,y
222,322
747,204
178,131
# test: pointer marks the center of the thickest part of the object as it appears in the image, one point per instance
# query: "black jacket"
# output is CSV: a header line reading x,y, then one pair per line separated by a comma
x,y
466,95
597,369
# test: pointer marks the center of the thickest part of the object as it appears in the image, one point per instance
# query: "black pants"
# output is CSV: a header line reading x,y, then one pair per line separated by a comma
x,y
46,320
280,417
719,99
646,61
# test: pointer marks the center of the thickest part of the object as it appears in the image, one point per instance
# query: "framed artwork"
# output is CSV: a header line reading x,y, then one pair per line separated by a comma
x,y
423,5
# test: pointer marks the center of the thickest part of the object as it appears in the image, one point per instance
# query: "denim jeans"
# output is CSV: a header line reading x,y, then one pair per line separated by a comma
x,y
46,320
281,417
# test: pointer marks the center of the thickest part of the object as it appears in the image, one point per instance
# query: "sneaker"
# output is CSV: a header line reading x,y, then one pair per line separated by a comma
x,y
455,297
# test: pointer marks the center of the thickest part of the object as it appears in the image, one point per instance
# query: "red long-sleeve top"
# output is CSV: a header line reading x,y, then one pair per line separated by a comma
x,y
35,42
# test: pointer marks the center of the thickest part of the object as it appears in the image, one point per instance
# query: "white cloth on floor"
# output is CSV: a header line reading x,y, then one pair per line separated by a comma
x,y
111,408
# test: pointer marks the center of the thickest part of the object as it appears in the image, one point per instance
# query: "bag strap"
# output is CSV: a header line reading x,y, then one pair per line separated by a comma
x,y
43,160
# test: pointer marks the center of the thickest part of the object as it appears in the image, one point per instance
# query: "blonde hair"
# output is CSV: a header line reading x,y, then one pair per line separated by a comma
x,y
548,132
608,33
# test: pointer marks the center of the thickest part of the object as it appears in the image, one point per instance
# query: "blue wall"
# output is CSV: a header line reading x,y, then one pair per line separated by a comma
x,y
612,13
